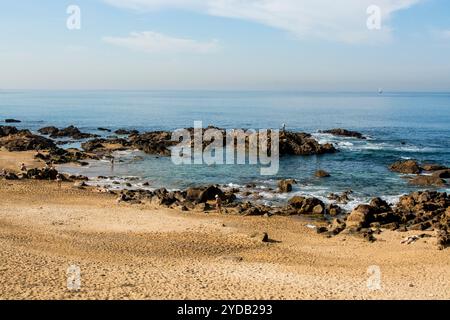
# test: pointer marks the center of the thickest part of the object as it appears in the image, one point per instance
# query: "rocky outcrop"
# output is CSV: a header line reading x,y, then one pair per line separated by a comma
x,y
105,146
60,156
124,132
302,205
302,144
71,131
7,130
201,195
157,142
433,180
12,121
406,167
344,133
23,140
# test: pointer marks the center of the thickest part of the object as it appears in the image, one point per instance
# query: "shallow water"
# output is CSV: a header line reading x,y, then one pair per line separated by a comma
x,y
399,126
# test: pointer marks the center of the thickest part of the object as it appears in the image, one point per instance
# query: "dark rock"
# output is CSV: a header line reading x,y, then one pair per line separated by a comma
x,y
443,174
336,227
11,176
406,167
304,205
333,210
285,186
7,130
24,140
103,129
12,121
427,181
321,174
299,143
433,167
344,133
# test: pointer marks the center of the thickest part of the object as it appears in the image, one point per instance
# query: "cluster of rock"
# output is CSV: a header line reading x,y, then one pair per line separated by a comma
x,y
47,173
418,211
344,133
435,173
160,143
69,132
23,140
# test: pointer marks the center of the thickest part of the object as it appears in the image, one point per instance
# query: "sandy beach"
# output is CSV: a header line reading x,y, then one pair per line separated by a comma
x,y
143,252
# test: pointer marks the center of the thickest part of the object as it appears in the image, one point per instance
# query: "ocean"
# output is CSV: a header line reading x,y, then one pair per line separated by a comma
x,y
398,126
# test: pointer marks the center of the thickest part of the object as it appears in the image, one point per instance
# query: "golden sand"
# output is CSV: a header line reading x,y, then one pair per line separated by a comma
x,y
143,252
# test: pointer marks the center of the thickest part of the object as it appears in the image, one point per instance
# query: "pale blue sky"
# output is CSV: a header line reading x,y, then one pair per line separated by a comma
x,y
317,45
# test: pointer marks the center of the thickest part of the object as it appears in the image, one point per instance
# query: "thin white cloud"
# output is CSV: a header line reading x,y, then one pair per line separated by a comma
x,y
153,42
343,21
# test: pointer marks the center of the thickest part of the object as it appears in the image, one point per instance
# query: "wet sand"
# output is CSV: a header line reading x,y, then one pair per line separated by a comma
x,y
142,252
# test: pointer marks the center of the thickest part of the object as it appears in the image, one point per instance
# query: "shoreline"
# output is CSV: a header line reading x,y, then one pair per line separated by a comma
x,y
146,252
154,245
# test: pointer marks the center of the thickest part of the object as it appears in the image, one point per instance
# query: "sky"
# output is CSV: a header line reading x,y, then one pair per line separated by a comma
x,y
304,45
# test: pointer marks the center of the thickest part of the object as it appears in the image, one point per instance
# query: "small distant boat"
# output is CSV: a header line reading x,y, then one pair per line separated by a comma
x,y
380,91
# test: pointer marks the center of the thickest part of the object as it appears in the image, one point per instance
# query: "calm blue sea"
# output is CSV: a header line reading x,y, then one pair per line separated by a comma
x,y
399,126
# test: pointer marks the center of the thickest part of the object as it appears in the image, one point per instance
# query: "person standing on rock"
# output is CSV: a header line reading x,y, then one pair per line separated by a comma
x,y
218,204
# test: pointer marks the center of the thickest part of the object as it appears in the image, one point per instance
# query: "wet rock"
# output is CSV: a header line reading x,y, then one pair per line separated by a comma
x,y
344,133
299,143
406,167
104,129
427,181
433,167
12,121
443,174
285,186
321,174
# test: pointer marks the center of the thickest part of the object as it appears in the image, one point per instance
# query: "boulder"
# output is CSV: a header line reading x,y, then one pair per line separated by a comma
x,y
24,140
11,176
285,186
443,174
304,205
12,121
333,210
300,143
433,167
360,217
201,195
344,133
427,181
321,174
406,167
